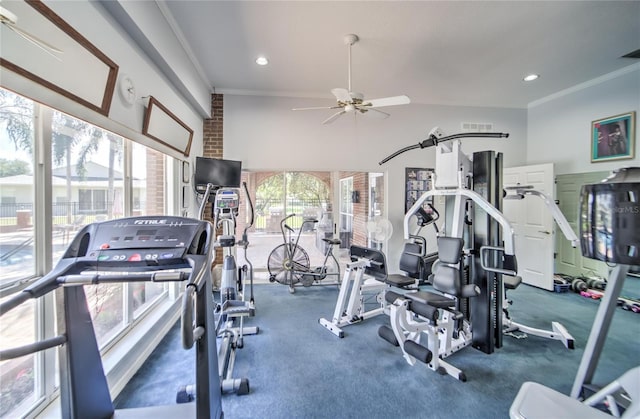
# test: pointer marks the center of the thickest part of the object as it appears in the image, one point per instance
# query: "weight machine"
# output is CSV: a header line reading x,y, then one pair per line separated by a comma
x,y
139,249
356,290
472,187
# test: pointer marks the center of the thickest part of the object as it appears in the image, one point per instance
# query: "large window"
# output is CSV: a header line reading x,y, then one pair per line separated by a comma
x,y
88,175
17,259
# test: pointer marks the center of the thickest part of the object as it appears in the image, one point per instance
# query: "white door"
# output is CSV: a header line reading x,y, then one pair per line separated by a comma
x,y
532,223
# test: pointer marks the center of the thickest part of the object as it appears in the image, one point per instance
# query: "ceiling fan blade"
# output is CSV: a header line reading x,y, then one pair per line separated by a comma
x,y
342,95
333,117
373,112
316,107
388,101
45,46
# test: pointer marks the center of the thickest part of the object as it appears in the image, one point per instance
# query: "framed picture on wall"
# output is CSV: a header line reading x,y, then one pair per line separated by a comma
x,y
417,182
613,138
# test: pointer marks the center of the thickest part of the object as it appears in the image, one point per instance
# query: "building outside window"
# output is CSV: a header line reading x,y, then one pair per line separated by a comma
x,y
84,183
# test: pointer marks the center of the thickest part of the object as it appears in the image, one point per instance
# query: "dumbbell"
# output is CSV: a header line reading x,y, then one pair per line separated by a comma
x,y
596,283
578,285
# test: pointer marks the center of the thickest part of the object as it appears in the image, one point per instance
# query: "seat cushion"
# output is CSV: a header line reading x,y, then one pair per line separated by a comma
x,y
432,299
399,281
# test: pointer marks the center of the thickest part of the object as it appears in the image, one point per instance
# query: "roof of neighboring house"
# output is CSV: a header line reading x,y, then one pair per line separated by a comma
x,y
18,180
21,180
95,171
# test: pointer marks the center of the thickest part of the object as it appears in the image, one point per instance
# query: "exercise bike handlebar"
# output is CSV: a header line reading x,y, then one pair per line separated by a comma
x,y
433,140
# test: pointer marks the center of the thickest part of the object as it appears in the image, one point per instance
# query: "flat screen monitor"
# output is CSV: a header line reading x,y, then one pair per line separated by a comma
x,y
218,172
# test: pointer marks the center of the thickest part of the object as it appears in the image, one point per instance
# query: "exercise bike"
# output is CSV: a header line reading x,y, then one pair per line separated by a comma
x,y
289,263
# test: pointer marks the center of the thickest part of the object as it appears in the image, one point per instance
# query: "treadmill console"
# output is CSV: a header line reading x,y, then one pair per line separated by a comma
x,y
151,240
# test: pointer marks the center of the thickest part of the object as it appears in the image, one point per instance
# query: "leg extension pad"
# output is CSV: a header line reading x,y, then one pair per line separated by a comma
x,y
387,334
418,351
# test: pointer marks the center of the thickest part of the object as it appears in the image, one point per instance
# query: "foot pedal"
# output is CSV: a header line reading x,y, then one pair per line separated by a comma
x,y
418,351
244,387
387,334
186,394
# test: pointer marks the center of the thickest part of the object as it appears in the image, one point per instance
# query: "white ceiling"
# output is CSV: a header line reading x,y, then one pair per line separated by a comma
x,y
437,52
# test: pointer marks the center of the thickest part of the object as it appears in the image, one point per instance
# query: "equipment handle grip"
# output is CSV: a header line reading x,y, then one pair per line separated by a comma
x,y
484,251
186,319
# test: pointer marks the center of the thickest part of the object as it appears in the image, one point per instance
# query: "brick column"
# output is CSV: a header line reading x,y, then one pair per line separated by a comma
x,y
212,133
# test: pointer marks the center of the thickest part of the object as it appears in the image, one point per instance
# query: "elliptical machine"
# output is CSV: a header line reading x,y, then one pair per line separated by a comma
x,y
232,307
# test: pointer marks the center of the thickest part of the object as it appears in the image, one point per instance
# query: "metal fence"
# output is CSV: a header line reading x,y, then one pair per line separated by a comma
x,y
270,212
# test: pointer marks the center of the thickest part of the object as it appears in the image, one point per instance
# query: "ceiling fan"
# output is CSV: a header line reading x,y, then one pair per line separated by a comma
x,y
350,101
10,20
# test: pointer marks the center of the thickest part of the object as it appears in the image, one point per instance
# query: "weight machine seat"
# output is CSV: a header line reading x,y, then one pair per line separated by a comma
x,y
432,299
447,276
411,263
331,241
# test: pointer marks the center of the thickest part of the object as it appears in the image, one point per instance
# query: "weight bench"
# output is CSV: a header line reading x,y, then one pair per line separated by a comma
x,y
355,289
435,315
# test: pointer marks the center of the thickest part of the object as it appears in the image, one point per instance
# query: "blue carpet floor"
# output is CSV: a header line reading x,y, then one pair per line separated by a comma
x,y
297,369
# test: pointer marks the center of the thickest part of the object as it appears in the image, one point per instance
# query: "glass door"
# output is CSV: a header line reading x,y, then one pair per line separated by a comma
x,y
346,211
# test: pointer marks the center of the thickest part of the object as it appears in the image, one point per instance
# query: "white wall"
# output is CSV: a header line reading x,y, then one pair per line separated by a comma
x,y
559,127
101,29
265,134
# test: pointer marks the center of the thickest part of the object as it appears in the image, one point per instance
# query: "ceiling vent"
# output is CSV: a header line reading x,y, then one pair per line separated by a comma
x,y
477,127
634,54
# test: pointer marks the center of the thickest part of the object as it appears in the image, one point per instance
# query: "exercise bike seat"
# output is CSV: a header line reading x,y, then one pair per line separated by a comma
x,y
331,241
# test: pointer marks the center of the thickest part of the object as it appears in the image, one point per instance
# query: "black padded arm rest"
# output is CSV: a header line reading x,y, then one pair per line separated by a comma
x,y
470,290
511,282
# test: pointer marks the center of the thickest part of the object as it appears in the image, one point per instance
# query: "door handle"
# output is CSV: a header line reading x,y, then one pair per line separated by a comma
x,y
544,232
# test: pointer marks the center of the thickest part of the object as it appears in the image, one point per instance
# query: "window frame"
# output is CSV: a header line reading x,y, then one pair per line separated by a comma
x,y
45,363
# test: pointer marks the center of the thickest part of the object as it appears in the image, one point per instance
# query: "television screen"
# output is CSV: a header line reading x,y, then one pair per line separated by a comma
x,y
218,172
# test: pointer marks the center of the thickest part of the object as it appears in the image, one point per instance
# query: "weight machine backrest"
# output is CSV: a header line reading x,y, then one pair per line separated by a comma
x,y
446,273
410,260
378,270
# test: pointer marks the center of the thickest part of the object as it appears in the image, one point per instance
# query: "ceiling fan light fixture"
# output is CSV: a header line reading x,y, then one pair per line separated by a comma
x,y
262,60
531,77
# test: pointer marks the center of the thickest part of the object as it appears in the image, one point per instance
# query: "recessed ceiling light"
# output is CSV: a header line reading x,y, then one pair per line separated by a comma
x,y
262,60
531,77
